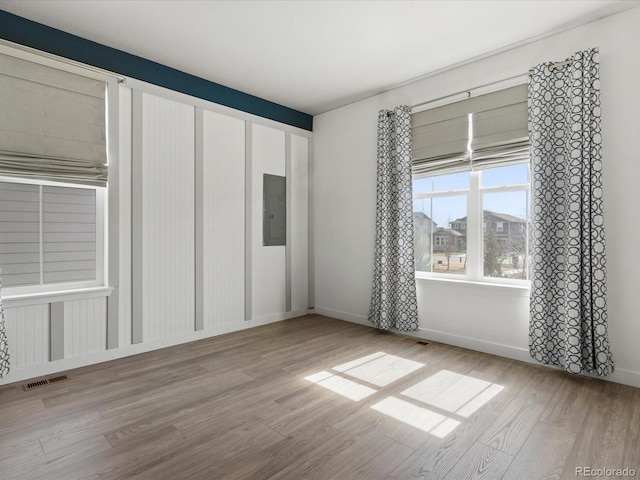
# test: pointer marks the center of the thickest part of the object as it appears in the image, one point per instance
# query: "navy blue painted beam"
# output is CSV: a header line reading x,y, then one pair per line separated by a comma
x,y
42,37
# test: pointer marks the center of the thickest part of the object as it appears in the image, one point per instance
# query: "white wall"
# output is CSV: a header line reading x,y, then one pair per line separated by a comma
x,y
269,276
168,210
494,320
300,227
124,227
223,220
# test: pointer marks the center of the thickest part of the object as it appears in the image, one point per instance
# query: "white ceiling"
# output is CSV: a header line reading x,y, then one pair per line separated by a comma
x,y
312,56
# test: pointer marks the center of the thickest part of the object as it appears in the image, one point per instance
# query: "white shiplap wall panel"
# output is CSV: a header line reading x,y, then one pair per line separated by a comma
x,y
223,219
28,334
85,326
124,164
168,130
268,273
299,224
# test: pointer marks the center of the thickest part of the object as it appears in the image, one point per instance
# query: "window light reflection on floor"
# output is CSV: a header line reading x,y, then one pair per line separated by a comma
x,y
380,369
453,392
437,404
418,417
347,388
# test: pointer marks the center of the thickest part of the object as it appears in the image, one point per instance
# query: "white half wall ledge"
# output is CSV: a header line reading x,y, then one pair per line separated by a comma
x,y
622,376
42,298
28,372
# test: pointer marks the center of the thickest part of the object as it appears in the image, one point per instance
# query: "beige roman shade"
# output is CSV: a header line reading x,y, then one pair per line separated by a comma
x,y
52,124
494,126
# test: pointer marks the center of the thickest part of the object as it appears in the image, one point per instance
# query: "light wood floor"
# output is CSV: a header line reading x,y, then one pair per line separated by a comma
x,y
239,406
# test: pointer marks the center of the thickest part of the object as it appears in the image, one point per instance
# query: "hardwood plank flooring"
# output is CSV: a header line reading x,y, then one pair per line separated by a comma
x,y
317,398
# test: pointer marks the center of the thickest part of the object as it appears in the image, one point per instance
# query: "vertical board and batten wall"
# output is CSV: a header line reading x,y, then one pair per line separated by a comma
x,y
268,272
190,258
125,216
223,256
85,326
299,239
166,191
28,328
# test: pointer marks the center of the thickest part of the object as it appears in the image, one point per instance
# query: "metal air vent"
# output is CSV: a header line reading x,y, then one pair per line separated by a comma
x,y
43,382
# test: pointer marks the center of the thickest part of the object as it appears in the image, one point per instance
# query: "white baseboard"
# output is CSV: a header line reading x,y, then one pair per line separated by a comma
x,y
440,337
470,343
625,377
18,374
349,317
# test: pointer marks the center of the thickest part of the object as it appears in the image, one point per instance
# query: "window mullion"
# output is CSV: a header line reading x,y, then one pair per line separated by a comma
x,y
449,193
431,229
474,228
41,232
506,188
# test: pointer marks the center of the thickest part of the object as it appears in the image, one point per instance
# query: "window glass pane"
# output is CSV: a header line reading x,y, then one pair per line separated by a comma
x,y
505,246
422,228
69,234
19,234
449,239
454,181
511,175
422,185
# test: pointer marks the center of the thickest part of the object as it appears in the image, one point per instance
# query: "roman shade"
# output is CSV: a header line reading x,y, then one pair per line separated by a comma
x,y
484,131
52,125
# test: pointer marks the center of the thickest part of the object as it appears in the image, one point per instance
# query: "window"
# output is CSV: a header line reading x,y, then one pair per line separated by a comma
x,y
471,188
499,251
53,174
50,236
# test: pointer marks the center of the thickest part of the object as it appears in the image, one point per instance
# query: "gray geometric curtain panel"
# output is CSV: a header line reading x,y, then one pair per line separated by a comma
x,y
393,300
4,346
568,309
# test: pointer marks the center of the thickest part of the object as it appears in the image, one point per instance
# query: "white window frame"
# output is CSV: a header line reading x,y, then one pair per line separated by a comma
x,y
101,244
475,233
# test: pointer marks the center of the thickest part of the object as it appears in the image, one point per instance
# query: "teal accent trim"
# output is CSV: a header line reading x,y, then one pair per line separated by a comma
x,y
42,37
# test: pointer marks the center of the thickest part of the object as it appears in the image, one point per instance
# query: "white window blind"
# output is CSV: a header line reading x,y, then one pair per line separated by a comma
x,y
52,125
47,234
481,132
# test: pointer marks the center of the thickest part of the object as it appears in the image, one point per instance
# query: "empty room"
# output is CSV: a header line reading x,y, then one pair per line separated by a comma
x,y
328,240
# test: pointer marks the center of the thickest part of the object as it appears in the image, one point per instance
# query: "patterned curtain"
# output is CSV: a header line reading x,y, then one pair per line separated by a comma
x,y
4,346
568,315
393,301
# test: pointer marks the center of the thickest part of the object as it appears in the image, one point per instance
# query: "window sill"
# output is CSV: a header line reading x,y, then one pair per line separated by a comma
x,y
39,298
525,287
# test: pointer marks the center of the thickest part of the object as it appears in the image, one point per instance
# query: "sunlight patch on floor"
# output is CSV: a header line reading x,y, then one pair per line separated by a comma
x,y
436,405
417,417
347,388
380,369
453,392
